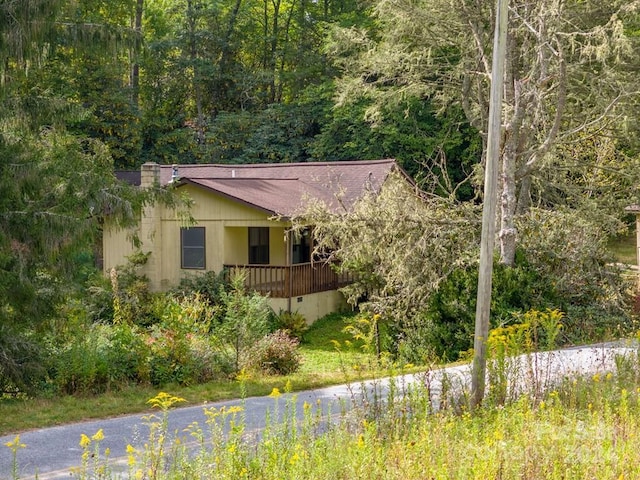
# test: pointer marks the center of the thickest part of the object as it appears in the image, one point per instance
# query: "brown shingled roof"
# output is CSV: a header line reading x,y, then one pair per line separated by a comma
x,y
283,188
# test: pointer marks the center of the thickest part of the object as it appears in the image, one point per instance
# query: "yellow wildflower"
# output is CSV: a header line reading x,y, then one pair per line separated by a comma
x,y
164,401
15,444
243,376
84,441
99,436
275,393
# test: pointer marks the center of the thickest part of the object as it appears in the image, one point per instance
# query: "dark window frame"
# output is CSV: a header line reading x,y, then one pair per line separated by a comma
x,y
259,245
301,246
185,246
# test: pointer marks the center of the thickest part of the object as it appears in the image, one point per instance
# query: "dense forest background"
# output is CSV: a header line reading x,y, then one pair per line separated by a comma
x,y
91,86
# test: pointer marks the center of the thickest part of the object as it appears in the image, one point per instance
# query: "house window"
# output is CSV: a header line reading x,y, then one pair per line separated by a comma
x,y
193,247
258,245
301,247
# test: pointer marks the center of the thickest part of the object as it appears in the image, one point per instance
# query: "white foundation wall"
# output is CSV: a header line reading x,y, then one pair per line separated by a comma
x,y
313,306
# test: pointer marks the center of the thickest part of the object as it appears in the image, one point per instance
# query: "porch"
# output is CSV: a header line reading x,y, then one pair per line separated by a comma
x,y
288,281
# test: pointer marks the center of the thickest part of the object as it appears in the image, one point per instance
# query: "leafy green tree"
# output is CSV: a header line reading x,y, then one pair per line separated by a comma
x,y
568,68
399,244
439,150
246,319
55,185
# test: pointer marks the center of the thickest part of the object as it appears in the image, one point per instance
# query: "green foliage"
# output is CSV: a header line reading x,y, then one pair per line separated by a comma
x,y
293,323
131,298
246,319
208,285
179,347
23,358
274,354
183,348
371,332
439,149
98,358
571,251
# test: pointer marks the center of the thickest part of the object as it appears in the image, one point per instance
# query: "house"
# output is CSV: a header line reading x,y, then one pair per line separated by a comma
x,y
240,215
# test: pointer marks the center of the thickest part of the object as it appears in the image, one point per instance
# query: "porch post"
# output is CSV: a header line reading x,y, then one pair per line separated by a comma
x,y
288,284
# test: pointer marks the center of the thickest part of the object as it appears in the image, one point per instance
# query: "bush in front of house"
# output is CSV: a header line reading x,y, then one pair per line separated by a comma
x,y
294,323
97,358
274,354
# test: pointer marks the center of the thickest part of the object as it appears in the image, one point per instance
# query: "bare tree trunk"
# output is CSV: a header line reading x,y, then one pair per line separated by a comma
x,y
193,56
508,232
524,195
134,79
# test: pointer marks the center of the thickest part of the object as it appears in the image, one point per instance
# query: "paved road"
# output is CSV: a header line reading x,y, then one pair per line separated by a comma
x,y
52,452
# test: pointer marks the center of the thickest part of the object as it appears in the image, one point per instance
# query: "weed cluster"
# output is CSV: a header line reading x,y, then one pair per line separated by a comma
x,y
184,337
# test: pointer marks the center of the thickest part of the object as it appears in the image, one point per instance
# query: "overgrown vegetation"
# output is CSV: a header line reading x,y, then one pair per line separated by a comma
x,y
69,116
415,262
547,428
207,329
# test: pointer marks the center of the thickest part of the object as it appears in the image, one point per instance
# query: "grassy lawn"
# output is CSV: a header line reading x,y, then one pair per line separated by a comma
x,y
323,365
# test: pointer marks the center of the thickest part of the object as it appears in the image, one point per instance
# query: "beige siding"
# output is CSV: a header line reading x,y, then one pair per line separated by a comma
x,y
208,205
277,246
236,245
226,235
117,245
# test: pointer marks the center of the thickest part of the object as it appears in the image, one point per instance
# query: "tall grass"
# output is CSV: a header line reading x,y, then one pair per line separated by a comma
x,y
578,428
586,427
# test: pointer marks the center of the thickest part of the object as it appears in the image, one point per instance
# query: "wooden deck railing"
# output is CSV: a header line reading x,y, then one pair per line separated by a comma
x,y
284,281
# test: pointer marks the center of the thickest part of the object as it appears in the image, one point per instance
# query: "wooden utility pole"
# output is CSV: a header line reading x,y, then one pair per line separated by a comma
x,y
487,241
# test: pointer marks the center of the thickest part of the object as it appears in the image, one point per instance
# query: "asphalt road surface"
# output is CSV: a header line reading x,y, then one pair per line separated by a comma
x,y
52,453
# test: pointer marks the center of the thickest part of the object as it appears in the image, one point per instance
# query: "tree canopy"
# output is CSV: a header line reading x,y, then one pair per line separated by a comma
x,y
88,86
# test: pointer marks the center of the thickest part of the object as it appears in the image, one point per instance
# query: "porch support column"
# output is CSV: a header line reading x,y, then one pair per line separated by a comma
x,y
287,273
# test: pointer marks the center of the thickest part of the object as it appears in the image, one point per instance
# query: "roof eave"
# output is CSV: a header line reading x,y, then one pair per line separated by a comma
x,y
187,181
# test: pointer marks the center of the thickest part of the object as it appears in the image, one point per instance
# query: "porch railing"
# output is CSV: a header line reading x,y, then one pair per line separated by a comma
x,y
285,281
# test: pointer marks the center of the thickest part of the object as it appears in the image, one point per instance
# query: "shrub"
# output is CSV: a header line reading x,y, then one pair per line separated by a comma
x,y
246,319
293,323
183,347
99,358
209,285
445,327
275,354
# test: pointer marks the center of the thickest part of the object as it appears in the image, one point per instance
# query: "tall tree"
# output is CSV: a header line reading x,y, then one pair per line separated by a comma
x,y
568,67
54,185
